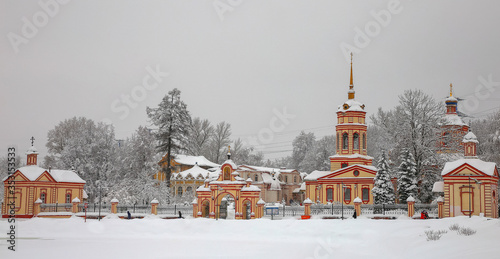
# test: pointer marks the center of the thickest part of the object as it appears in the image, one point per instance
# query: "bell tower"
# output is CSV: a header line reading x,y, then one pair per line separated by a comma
x,y
32,154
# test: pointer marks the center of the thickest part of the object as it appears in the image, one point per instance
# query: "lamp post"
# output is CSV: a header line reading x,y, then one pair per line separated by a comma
x,y
342,201
470,190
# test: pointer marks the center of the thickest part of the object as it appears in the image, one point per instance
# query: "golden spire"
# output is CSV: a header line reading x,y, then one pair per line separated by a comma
x,y
228,152
451,90
351,92
351,85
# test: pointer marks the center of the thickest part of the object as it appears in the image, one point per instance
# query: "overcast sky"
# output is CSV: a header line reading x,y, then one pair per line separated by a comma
x,y
237,61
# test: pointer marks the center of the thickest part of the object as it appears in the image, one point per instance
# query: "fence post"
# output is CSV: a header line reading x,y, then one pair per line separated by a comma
x,y
154,207
75,202
260,208
411,206
114,205
307,208
195,207
357,206
38,203
440,202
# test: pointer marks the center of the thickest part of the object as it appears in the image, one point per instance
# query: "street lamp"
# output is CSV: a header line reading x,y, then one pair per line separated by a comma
x,y
342,201
470,190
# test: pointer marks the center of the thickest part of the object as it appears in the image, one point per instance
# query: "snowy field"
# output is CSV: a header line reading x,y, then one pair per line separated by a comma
x,y
263,238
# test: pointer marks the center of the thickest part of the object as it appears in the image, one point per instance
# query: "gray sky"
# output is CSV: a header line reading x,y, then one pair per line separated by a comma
x,y
240,62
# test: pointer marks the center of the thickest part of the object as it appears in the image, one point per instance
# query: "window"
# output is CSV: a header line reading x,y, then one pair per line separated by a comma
x,y
344,165
179,190
345,141
189,189
364,141
356,173
347,194
355,141
365,193
256,178
286,178
295,180
43,197
329,194
68,197
227,174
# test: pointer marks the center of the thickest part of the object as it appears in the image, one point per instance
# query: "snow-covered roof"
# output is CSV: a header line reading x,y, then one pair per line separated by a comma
x,y
194,172
438,187
470,137
251,188
31,150
357,200
301,188
451,99
453,119
351,105
265,169
193,160
32,172
352,156
318,174
231,163
485,167
114,200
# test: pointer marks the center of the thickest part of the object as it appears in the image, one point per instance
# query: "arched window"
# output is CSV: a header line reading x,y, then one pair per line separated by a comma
x,y
345,141
364,141
295,179
68,197
286,179
256,178
189,189
344,165
227,174
179,191
43,197
355,141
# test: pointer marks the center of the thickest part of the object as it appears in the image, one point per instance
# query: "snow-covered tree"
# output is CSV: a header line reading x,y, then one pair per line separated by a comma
x,y
383,190
317,157
219,142
407,178
200,134
302,144
173,121
85,146
242,154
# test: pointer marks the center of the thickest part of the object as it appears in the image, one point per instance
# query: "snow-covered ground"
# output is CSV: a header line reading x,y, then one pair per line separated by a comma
x,y
263,238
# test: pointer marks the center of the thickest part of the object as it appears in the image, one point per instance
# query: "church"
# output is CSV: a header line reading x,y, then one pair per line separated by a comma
x,y
34,183
351,172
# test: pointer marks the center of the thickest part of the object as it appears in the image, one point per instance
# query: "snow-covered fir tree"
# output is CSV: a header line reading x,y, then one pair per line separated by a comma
x,y
383,190
173,121
407,179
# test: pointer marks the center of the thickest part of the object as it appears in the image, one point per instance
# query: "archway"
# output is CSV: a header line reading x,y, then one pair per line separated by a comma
x,y
225,206
247,209
205,208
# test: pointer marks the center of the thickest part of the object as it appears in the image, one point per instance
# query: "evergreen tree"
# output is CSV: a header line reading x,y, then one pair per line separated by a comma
x,y
173,121
407,180
383,190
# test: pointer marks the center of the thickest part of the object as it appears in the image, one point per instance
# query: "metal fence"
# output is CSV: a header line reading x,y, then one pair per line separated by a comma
x,y
384,209
94,207
174,210
146,209
321,209
56,207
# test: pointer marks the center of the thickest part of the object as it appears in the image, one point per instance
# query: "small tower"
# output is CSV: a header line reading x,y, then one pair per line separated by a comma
x,y
351,92
228,152
32,154
470,145
451,102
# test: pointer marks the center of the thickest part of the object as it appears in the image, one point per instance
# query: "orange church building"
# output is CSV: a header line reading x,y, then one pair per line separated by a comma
x,y
470,185
32,182
351,172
